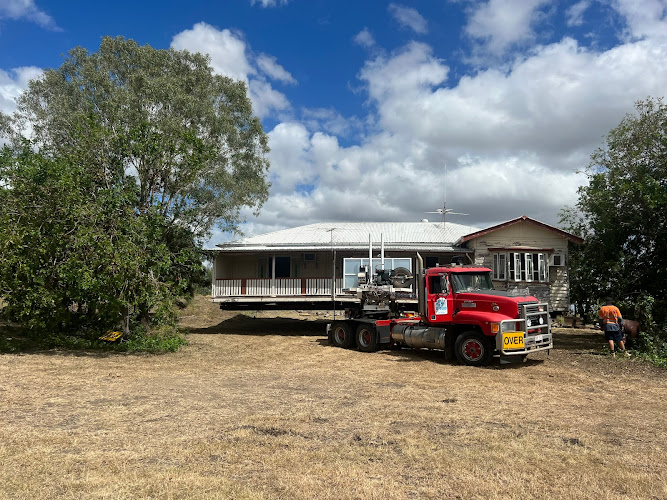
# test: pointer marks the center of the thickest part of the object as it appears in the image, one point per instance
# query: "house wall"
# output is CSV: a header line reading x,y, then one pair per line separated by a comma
x,y
256,265
526,234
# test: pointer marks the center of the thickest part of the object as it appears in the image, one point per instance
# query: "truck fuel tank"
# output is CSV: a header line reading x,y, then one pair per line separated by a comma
x,y
419,336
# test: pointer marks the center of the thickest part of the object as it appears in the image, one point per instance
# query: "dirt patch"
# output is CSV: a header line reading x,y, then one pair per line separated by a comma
x,y
261,407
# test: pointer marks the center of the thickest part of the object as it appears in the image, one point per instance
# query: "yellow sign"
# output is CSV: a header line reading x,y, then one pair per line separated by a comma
x,y
111,336
513,340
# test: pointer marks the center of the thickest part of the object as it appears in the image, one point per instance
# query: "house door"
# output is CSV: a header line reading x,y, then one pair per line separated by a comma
x,y
283,266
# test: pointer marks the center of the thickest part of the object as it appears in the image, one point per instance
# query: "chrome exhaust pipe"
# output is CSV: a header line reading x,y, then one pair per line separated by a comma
x,y
421,287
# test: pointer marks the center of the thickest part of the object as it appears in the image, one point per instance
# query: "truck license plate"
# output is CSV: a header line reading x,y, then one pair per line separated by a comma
x,y
513,340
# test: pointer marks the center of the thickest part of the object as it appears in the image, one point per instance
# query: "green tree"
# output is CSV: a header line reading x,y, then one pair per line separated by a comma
x,y
621,212
73,254
161,117
135,155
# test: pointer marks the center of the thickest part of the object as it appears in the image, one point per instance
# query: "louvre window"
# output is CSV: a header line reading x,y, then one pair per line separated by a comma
x,y
520,266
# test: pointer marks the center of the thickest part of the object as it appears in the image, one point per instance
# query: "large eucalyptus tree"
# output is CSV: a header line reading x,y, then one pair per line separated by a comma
x,y
160,118
134,155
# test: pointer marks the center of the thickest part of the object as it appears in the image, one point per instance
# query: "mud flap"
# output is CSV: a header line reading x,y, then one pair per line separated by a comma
x,y
449,346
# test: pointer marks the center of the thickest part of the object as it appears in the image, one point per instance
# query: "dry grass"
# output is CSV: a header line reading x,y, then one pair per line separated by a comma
x,y
263,408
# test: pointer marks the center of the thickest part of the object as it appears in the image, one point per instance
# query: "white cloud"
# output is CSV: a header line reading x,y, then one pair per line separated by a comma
x,y
501,24
269,3
364,38
13,83
226,49
513,137
645,18
265,99
557,102
410,71
329,120
409,18
231,56
273,70
575,13
26,9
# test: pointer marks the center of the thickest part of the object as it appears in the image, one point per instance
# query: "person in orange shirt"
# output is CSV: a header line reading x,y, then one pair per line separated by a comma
x,y
611,323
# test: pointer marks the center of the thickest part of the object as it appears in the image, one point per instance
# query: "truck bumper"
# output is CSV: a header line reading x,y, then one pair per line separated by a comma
x,y
535,325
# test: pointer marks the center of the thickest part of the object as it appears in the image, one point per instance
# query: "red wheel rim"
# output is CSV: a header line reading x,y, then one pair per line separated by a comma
x,y
473,350
366,337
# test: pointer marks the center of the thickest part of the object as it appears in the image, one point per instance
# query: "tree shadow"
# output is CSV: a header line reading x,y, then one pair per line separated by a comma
x,y
14,342
578,339
244,325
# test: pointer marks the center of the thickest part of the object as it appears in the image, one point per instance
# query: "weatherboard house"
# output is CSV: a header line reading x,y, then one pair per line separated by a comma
x,y
312,266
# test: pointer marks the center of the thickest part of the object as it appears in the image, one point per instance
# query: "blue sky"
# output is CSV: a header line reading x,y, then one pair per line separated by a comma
x,y
366,102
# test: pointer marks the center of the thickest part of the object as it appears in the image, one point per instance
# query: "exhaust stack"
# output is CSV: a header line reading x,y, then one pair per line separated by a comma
x,y
421,287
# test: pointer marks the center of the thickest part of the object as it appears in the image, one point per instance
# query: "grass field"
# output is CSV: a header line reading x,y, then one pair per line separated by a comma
x,y
263,408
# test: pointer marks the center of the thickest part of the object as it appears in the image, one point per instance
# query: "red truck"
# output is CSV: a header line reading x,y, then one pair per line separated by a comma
x,y
459,313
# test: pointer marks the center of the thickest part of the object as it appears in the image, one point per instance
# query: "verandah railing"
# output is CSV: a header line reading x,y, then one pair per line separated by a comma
x,y
279,287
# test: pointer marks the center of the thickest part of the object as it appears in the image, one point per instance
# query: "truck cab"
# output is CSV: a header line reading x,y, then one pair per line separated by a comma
x,y
479,319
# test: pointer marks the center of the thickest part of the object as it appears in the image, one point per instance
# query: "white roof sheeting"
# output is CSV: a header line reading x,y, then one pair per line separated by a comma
x,y
434,236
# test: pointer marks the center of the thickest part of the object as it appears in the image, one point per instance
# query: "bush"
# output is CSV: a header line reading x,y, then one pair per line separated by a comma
x,y
652,348
160,340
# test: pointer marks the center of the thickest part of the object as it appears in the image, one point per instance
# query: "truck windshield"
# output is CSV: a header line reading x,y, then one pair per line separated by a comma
x,y
470,282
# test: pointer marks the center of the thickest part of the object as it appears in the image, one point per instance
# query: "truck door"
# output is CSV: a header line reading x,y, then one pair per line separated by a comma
x,y
439,301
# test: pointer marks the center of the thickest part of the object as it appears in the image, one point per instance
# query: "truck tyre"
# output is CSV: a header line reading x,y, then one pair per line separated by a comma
x,y
367,338
341,336
401,277
472,349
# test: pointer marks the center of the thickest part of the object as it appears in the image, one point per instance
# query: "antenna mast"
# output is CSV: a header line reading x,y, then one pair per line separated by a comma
x,y
444,210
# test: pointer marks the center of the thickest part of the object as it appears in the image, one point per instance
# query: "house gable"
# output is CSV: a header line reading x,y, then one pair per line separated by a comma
x,y
525,236
523,222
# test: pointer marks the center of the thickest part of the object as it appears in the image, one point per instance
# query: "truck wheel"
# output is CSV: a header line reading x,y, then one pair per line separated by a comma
x,y
472,349
401,277
367,338
341,335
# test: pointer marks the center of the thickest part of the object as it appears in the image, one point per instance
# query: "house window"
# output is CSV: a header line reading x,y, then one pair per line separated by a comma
x,y
499,266
520,266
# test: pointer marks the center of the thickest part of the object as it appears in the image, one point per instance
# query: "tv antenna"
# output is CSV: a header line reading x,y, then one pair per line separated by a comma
x,y
444,210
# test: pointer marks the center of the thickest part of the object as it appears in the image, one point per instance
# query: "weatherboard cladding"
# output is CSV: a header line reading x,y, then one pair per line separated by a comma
x,y
425,236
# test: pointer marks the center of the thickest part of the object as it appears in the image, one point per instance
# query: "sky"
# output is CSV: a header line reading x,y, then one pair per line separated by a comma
x,y
382,111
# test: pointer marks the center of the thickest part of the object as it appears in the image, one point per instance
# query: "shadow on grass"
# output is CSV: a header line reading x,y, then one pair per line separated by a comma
x,y
578,339
245,325
408,355
14,340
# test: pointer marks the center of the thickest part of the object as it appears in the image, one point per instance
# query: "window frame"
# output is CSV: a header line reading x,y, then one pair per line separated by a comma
x,y
529,267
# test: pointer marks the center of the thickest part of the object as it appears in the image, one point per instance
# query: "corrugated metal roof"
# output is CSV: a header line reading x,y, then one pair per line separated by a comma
x,y
352,235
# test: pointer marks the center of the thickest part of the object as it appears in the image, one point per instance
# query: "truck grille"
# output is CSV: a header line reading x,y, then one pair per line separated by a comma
x,y
536,321
528,307
536,325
